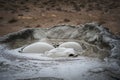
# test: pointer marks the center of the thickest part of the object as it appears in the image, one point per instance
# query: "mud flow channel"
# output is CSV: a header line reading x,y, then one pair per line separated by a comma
x,y
63,52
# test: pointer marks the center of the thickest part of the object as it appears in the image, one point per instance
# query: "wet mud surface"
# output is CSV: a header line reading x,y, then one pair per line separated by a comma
x,y
99,60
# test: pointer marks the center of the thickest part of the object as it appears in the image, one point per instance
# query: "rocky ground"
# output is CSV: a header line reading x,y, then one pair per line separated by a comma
x,y
19,14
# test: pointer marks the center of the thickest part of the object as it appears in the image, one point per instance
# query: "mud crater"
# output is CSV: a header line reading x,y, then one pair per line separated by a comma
x,y
99,56
96,41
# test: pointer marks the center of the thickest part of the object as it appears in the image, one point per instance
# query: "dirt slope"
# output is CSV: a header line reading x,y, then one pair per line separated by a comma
x,y
18,14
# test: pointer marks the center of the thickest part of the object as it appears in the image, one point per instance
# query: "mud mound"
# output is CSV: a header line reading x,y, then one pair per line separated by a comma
x,y
96,40
99,57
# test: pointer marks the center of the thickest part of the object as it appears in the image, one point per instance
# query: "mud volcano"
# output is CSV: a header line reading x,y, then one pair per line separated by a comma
x,y
97,57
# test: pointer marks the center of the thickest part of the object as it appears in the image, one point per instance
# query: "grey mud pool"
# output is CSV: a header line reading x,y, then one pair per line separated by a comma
x,y
97,57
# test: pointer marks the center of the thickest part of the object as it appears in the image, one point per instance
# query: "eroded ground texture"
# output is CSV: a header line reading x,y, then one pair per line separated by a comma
x,y
19,14
99,60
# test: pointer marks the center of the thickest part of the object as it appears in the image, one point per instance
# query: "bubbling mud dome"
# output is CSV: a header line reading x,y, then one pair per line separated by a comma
x,y
63,52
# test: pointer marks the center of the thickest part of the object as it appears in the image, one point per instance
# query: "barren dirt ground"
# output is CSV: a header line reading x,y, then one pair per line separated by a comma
x,y
19,14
